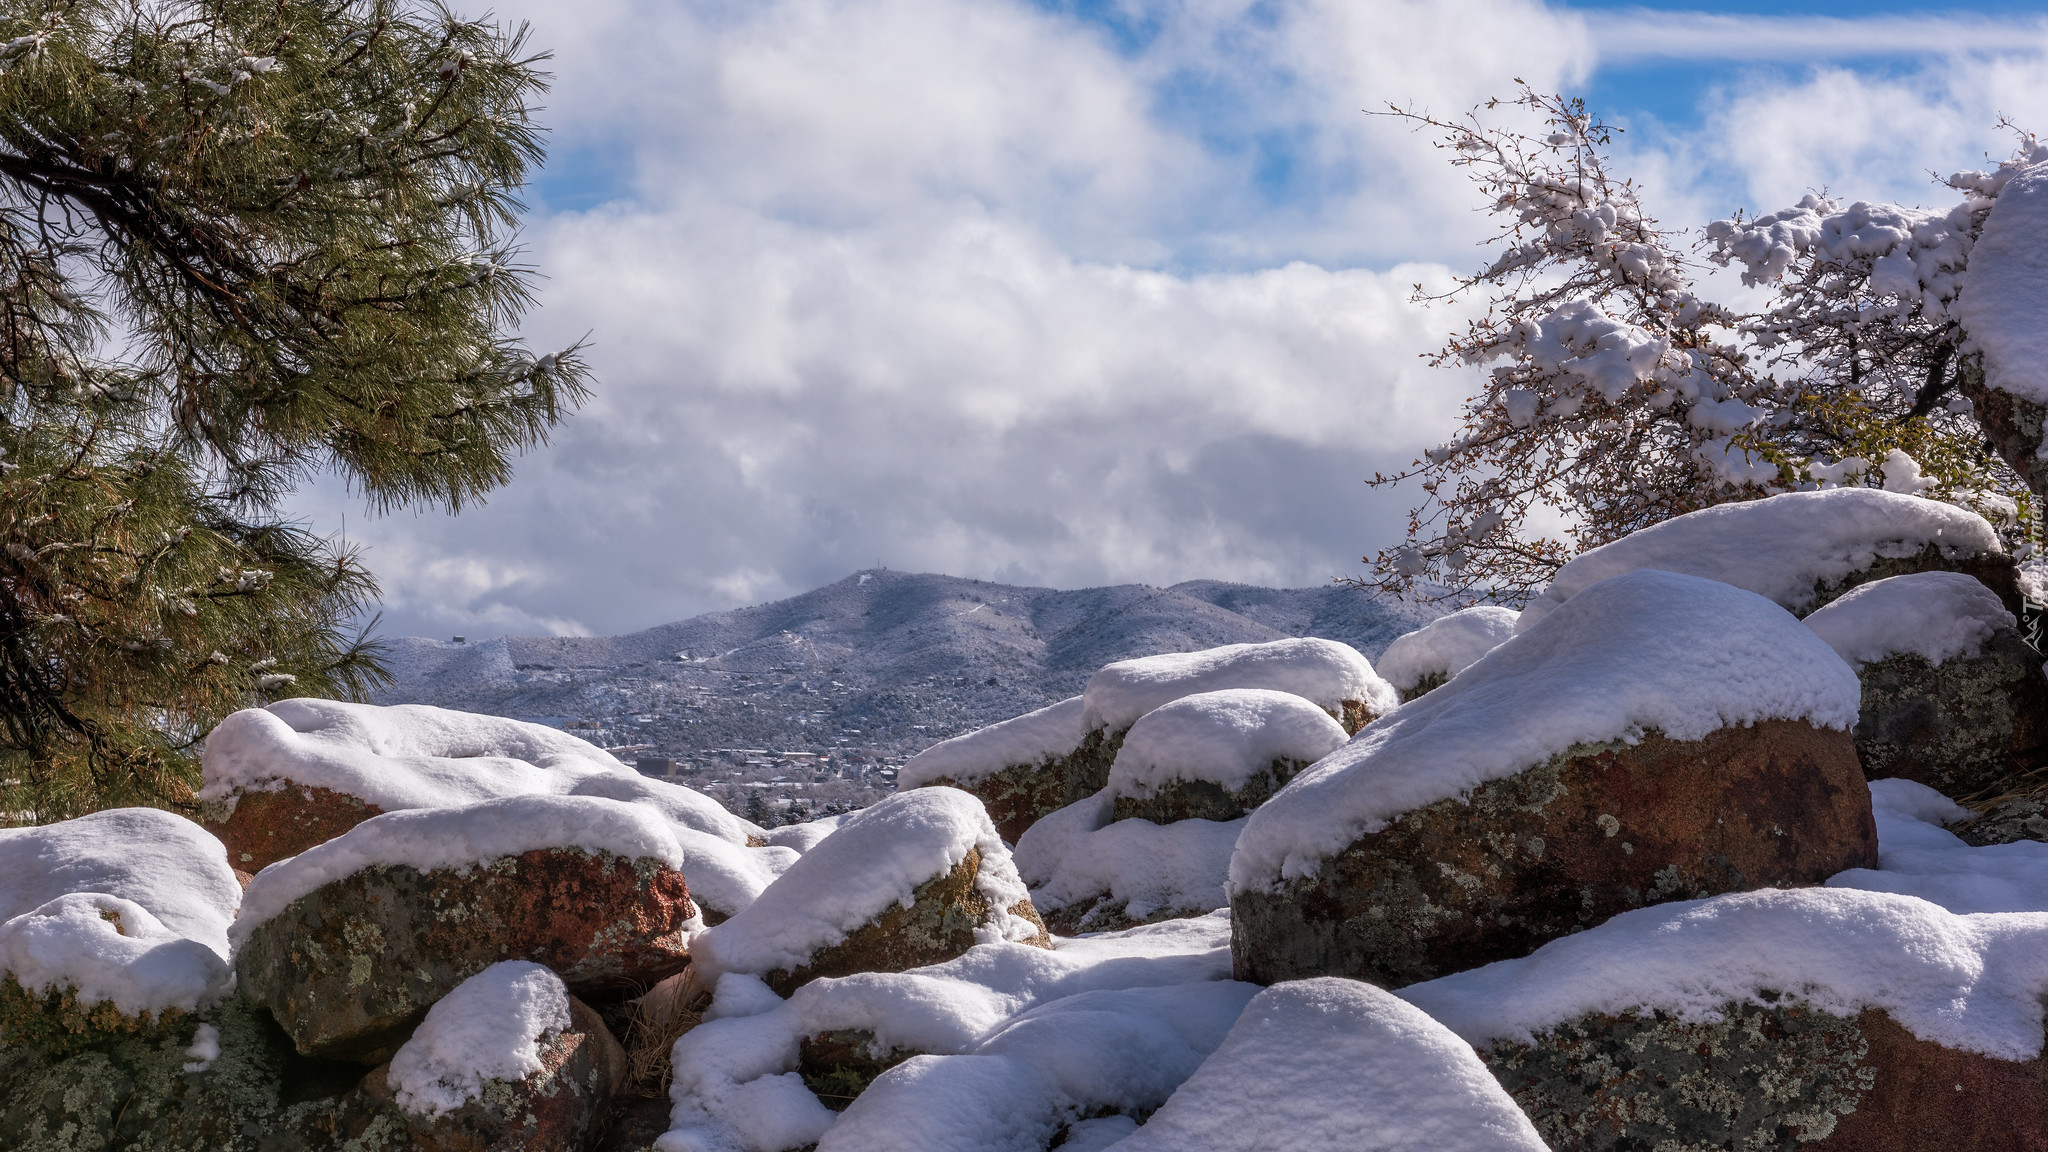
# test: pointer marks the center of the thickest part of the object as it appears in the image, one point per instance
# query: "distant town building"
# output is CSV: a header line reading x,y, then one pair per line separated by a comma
x,y
462,639
655,765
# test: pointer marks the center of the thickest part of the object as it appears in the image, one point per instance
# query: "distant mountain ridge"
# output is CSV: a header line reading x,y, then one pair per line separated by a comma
x,y
881,663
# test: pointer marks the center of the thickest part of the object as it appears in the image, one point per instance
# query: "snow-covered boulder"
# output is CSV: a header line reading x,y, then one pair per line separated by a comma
x,y
278,780
1089,872
112,922
1330,675
1332,1065
1657,737
750,1075
1952,696
348,942
1019,769
1423,659
1799,549
914,880
1217,755
1819,1019
2003,311
508,1059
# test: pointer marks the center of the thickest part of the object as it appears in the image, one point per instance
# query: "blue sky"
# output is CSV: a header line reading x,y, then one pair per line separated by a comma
x,y
1072,292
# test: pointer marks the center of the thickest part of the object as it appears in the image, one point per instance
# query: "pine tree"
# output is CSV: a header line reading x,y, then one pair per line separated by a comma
x,y
242,243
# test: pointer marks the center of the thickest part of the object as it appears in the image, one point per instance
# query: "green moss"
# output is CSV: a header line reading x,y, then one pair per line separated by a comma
x,y
56,1023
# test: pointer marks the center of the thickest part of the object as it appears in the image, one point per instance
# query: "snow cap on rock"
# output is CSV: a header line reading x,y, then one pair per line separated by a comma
x,y
736,1083
104,949
1933,615
1338,1065
1223,737
1077,854
1973,983
874,861
1446,645
160,860
458,838
490,1027
2004,304
1780,547
1645,651
415,756
1921,857
1033,738
1324,672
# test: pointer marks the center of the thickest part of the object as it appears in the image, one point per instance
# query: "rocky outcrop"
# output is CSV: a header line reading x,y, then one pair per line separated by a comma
x,y
1995,570
2012,424
1769,1078
839,1065
915,880
2008,819
1017,796
1205,799
561,1106
260,828
1963,726
243,1090
1563,846
348,968
945,918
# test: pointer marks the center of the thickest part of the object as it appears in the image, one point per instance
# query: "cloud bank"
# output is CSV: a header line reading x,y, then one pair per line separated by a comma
x,y
1058,297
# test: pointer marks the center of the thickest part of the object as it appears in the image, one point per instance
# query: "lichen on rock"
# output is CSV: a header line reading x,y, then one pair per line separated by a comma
x,y
946,916
1561,847
1768,1078
1964,726
348,968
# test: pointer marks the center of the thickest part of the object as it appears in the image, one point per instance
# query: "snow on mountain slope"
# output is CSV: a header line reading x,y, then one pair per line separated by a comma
x,y
840,684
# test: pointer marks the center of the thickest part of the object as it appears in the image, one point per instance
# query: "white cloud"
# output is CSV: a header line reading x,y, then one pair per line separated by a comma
x,y
783,406
1635,34
966,286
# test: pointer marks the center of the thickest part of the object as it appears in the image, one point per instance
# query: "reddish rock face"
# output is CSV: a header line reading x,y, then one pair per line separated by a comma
x,y
1563,846
560,1107
266,827
1778,1078
348,969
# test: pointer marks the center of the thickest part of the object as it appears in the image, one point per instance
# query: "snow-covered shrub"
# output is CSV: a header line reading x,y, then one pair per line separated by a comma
x,y
1622,396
